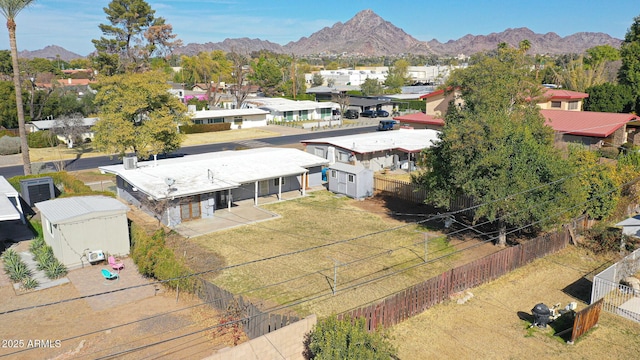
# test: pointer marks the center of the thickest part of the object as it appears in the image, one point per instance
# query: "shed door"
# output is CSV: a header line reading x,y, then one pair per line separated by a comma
x,y
263,188
342,183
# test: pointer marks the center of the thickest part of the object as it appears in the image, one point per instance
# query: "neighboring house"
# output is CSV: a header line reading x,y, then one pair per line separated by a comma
x,y
10,206
238,118
631,226
419,120
194,187
281,109
437,102
558,99
352,180
74,225
590,128
40,125
396,149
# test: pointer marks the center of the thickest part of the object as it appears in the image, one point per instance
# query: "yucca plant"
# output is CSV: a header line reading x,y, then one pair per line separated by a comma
x,y
10,257
18,272
36,244
29,283
43,258
54,269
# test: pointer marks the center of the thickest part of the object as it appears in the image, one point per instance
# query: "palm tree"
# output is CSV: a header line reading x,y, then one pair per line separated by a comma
x,y
10,9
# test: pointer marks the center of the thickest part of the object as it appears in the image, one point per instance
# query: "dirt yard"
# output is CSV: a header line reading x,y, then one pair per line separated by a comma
x,y
70,322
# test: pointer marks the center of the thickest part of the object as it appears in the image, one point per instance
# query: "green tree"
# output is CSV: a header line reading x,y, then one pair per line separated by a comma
x,y
317,79
629,73
347,339
137,113
132,38
10,9
602,193
6,68
497,150
608,97
397,77
8,112
208,68
266,74
371,87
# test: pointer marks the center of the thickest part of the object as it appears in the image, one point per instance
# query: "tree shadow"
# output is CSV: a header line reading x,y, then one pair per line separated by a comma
x,y
580,290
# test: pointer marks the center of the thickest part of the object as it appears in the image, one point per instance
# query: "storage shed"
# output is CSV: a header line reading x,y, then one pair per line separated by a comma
x,y
352,180
630,226
74,226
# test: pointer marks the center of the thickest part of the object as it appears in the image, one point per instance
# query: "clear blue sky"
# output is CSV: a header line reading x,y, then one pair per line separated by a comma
x,y
72,24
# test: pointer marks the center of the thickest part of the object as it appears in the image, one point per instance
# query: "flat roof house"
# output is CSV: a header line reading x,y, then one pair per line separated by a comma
x,y
196,186
238,118
376,150
10,207
281,109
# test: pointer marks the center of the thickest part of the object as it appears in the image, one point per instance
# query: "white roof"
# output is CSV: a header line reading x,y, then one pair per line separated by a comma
x,y
409,140
65,209
281,104
203,173
8,211
206,114
632,221
48,124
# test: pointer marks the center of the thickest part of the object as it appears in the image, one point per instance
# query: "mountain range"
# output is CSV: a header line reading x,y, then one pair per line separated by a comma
x,y
367,34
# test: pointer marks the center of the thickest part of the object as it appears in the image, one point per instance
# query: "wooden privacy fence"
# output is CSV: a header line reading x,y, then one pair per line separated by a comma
x,y
256,323
400,189
586,319
418,298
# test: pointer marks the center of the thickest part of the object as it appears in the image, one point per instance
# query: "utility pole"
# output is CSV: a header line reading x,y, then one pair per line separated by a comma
x,y
426,241
293,75
336,263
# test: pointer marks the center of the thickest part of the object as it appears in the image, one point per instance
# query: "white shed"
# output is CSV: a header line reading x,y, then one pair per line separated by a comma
x,y
630,226
74,226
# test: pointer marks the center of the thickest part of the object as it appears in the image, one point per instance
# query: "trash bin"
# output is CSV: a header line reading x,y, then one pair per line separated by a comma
x,y
541,315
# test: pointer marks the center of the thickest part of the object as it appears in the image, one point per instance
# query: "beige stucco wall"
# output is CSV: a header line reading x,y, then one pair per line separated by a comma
x,y
437,105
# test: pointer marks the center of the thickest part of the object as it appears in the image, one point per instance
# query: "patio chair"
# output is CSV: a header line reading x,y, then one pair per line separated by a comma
x,y
115,265
110,275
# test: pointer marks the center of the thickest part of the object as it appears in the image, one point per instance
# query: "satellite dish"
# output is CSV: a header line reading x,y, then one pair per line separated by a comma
x,y
169,181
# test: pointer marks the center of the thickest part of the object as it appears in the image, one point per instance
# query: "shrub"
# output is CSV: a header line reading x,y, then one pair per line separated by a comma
x,y
608,152
154,259
347,339
204,128
17,271
608,239
9,145
30,283
54,269
42,139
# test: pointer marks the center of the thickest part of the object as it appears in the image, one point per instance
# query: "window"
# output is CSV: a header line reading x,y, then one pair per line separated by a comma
x,y
275,182
48,226
304,114
208,121
237,120
351,178
318,151
573,105
343,156
334,174
325,112
556,104
288,115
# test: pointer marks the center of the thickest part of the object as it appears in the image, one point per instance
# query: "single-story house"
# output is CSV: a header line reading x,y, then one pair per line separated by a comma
x,y
591,128
73,226
10,206
376,150
238,118
194,187
281,109
630,226
352,180
40,125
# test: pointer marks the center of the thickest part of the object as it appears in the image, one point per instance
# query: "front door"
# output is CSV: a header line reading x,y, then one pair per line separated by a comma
x,y
190,208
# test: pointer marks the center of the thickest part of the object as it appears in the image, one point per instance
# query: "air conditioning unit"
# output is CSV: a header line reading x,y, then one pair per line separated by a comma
x,y
130,162
95,256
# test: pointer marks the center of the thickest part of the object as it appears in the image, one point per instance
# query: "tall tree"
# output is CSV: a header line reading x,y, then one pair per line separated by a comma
x,y
371,87
132,38
137,113
629,73
266,74
10,9
397,77
497,150
239,74
608,97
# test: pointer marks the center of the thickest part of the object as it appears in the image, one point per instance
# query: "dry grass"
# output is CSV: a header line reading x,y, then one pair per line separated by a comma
x,y
315,233
491,326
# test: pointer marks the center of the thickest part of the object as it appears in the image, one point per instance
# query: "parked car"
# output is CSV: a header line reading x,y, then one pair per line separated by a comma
x,y
382,113
369,114
385,125
351,114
